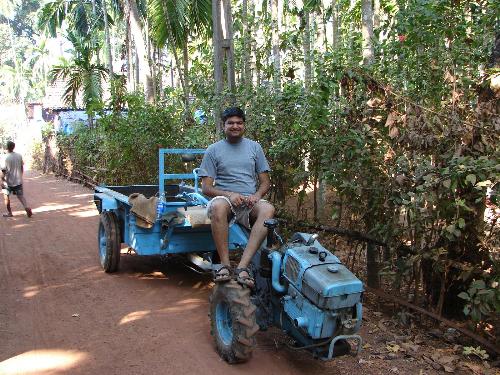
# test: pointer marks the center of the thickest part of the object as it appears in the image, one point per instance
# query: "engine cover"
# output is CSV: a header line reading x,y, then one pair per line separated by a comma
x,y
321,278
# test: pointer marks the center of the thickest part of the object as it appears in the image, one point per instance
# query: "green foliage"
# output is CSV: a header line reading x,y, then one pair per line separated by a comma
x,y
407,145
481,299
81,74
477,351
23,67
37,156
123,147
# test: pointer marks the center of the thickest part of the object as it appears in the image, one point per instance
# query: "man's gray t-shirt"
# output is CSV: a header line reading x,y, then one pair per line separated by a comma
x,y
234,166
13,166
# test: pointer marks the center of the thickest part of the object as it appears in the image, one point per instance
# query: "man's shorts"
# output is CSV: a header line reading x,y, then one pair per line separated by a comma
x,y
241,214
15,190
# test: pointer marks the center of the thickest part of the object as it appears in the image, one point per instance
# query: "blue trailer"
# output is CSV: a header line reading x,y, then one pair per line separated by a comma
x,y
300,286
118,223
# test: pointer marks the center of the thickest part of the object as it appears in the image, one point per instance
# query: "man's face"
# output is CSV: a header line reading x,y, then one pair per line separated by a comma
x,y
234,127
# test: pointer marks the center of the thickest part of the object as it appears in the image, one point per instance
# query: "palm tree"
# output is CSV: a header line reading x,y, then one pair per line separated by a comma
x,y
84,17
173,22
78,14
81,74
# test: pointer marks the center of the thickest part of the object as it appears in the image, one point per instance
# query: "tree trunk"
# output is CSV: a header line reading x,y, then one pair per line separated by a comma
x,y
367,31
218,61
336,25
275,27
228,45
149,54
352,25
306,44
321,42
245,63
137,78
109,58
185,61
372,267
140,45
376,14
128,47
259,40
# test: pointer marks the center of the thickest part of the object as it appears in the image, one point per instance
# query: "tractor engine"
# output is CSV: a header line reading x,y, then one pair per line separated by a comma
x,y
322,298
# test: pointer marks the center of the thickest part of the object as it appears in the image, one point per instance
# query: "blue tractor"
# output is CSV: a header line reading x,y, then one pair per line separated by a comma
x,y
301,287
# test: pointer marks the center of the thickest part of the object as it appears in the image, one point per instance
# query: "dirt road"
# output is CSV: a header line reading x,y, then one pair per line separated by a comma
x,y
61,314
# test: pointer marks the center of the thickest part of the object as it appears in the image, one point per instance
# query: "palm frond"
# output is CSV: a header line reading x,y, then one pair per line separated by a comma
x,y
201,16
52,15
73,87
81,18
59,72
169,21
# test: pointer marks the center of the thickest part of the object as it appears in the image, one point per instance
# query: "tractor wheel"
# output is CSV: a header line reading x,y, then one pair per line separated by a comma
x,y
232,321
109,242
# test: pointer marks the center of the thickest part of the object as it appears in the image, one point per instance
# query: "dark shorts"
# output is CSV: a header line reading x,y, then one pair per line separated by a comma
x,y
15,190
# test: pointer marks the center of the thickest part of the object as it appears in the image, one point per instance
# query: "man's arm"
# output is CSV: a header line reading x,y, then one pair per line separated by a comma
x,y
207,187
264,186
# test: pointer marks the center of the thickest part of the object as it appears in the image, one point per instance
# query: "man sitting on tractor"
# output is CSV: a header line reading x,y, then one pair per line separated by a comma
x,y
235,174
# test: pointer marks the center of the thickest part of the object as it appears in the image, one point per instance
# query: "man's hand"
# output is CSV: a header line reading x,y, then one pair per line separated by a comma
x,y
252,200
237,199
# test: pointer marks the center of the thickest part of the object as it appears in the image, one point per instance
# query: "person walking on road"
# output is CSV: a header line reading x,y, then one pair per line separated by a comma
x,y
12,179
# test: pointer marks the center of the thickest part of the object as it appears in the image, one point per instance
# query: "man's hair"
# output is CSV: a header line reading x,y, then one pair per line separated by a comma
x,y
232,111
10,145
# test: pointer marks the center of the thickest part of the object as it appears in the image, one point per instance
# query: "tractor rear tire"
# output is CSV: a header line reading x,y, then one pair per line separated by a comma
x,y
232,321
109,244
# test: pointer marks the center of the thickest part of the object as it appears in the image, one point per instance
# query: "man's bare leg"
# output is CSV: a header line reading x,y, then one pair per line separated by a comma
x,y
6,200
261,212
25,205
220,212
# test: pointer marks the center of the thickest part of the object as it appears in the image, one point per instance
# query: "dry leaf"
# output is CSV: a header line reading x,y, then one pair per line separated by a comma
x,y
374,102
476,369
394,132
408,346
393,347
447,359
391,119
449,77
449,368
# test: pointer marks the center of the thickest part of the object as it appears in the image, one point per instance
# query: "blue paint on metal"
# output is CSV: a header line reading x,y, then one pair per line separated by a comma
x,y
110,192
359,316
107,203
320,323
224,322
195,173
340,283
162,176
276,259
238,237
329,283
161,238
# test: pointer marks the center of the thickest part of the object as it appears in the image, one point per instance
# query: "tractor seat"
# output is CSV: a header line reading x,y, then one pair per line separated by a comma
x,y
197,216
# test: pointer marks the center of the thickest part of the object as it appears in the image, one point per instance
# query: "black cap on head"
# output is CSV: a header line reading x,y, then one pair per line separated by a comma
x,y
10,145
233,111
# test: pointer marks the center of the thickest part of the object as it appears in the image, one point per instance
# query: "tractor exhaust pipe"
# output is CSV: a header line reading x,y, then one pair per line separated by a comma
x,y
276,260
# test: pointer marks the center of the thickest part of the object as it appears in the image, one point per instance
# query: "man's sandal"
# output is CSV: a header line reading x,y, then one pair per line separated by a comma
x,y
245,280
220,276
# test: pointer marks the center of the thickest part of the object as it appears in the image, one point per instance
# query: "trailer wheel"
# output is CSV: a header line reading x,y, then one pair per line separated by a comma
x,y
232,321
109,241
